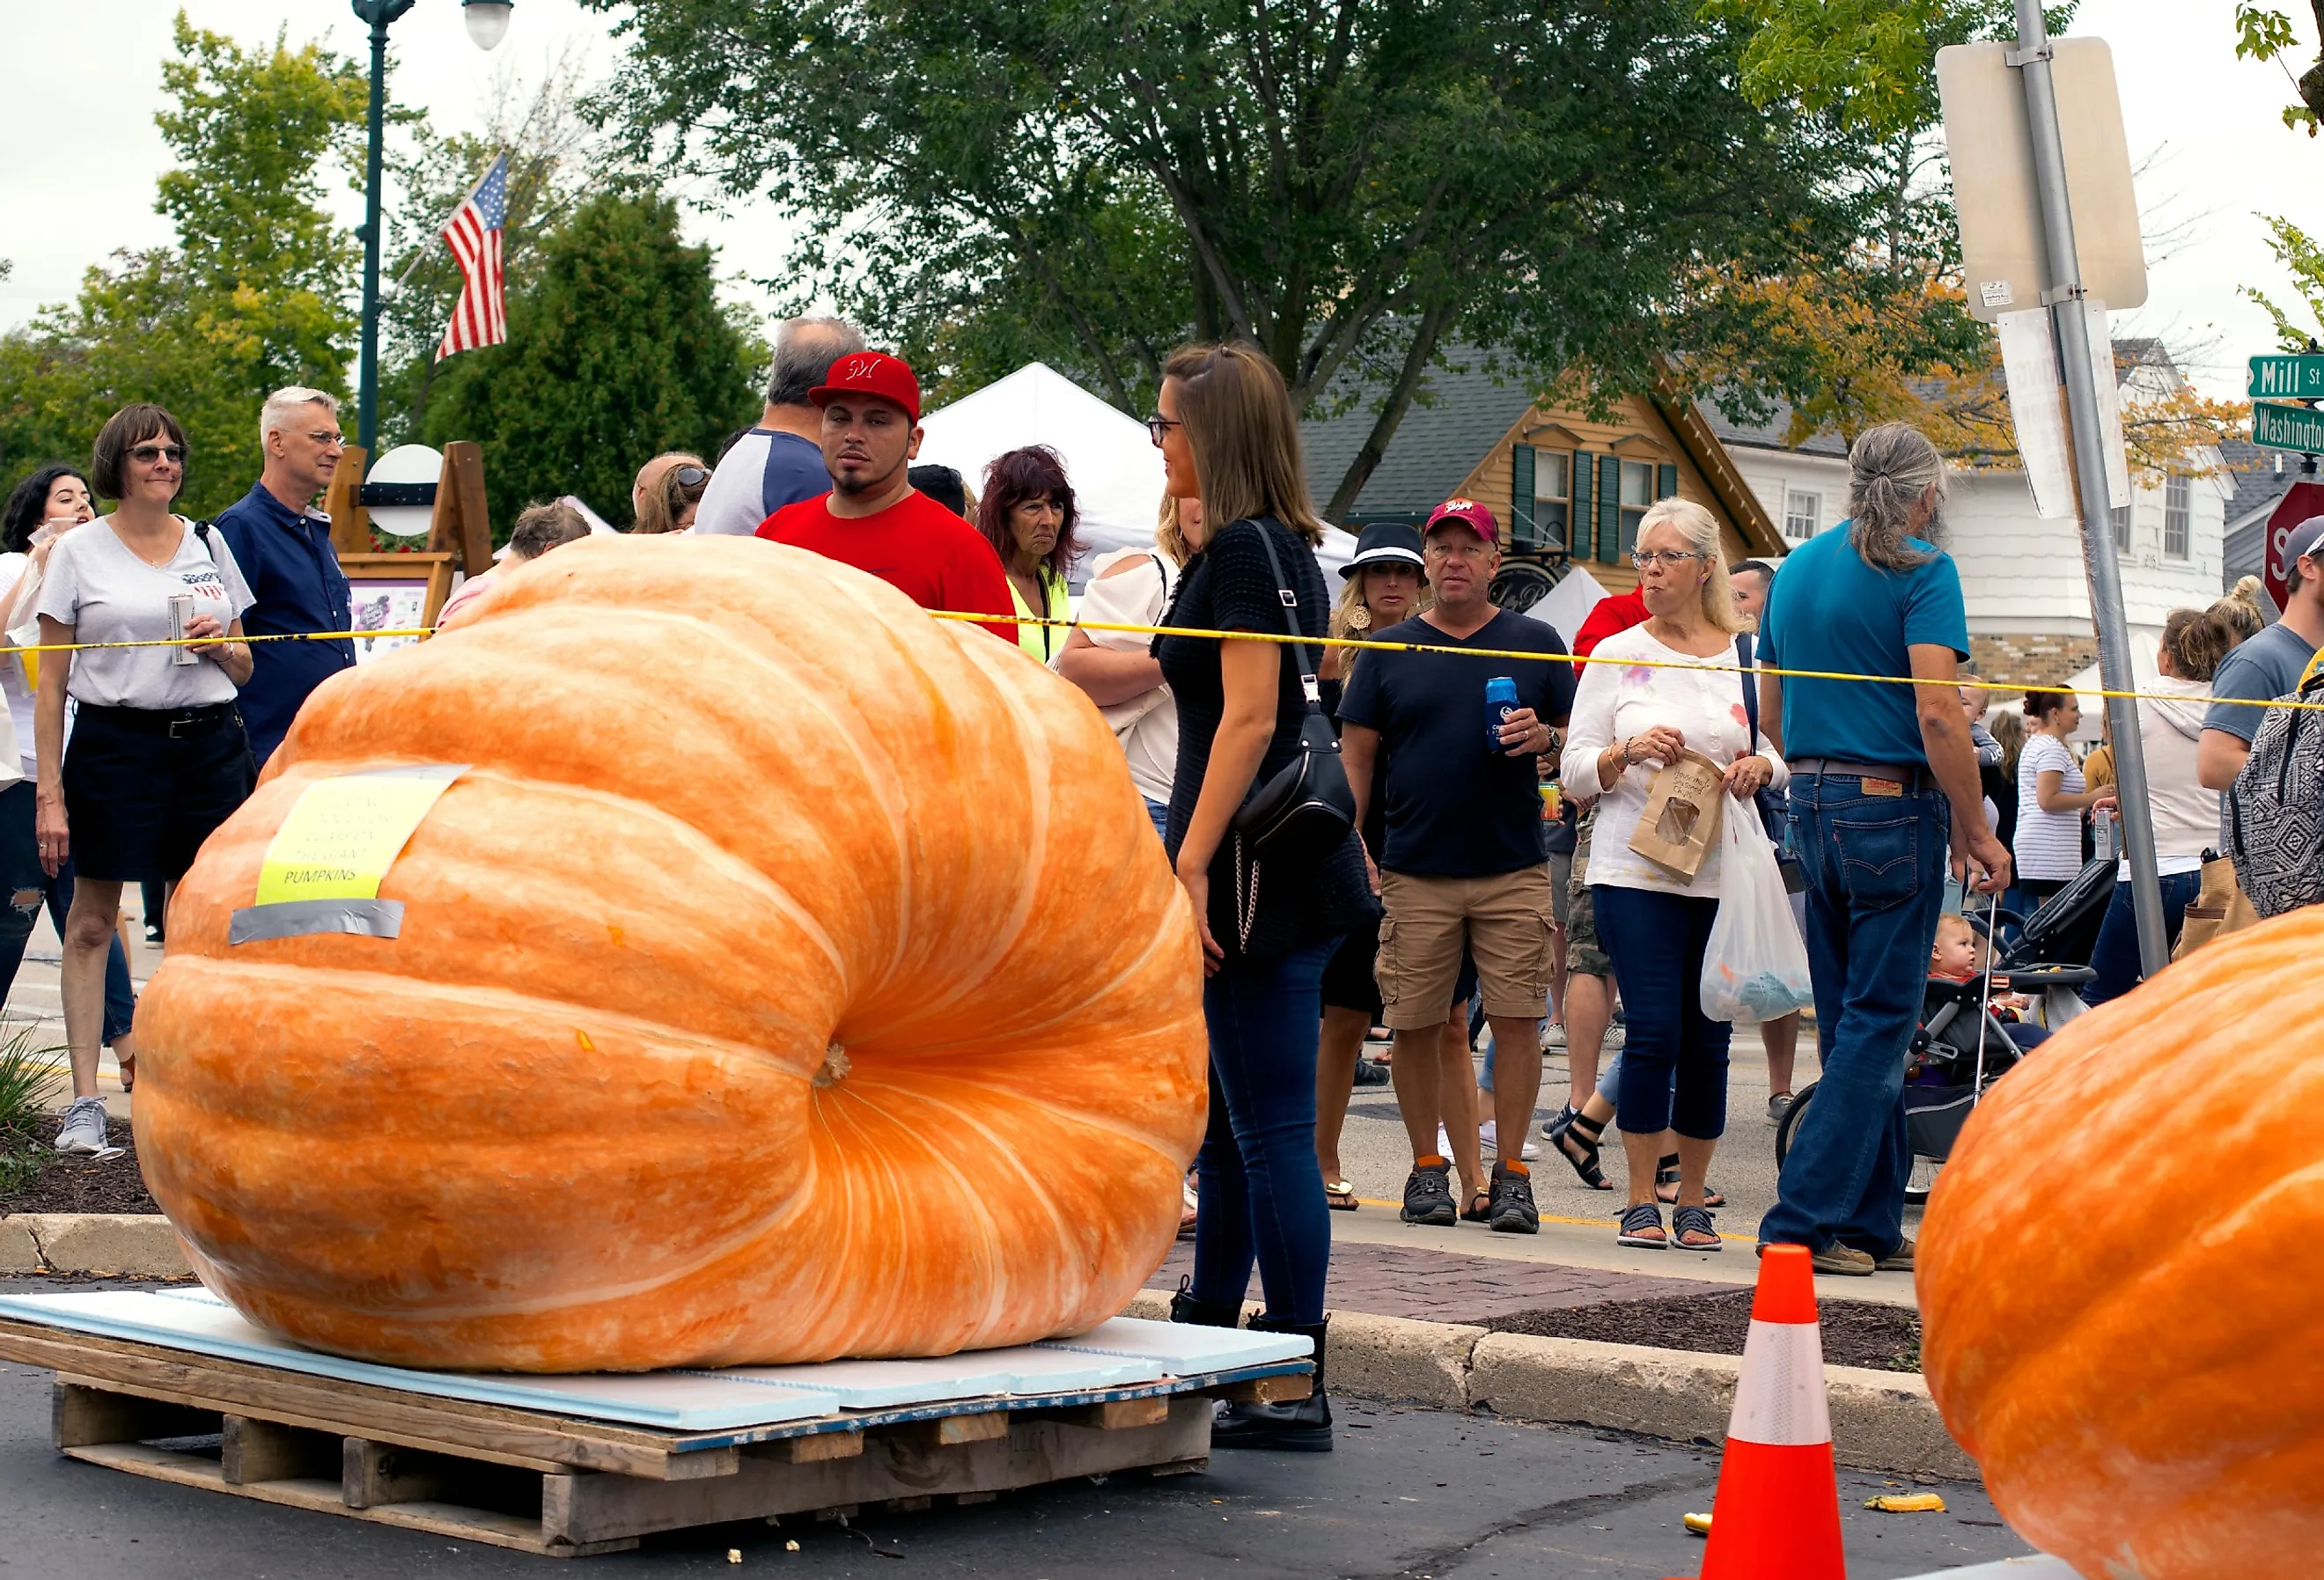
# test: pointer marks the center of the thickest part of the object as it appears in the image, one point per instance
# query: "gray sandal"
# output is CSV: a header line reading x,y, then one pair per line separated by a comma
x,y
1688,1221
1636,1222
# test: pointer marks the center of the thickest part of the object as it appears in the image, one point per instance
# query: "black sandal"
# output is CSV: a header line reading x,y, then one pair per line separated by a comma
x,y
1480,1210
1585,1135
1688,1221
1666,1175
1636,1222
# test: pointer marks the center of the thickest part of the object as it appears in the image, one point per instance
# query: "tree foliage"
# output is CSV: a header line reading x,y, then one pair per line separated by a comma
x,y
618,348
254,294
1350,184
2265,34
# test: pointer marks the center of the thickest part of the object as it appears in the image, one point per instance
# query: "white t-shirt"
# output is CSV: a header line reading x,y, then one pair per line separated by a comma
x,y
94,585
2049,844
13,686
1615,702
1136,598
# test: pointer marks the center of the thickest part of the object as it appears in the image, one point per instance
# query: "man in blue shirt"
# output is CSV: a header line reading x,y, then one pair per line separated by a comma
x,y
779,462
1882,777
284,550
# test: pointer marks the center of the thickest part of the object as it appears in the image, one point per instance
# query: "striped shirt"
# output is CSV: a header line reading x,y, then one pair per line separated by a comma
x,y
2049,844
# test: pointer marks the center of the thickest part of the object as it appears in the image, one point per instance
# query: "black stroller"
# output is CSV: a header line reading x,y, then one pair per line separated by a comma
x,y
1952,1069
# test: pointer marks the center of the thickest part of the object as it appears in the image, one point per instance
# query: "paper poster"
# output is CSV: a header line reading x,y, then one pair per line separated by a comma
x,y
324,866
385,605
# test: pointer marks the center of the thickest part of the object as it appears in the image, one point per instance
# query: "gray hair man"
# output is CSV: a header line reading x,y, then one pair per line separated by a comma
x,y
283,546
780,461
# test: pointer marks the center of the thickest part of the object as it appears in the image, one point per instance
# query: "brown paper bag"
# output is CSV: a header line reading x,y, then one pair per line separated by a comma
x,y
1681,823
2220,909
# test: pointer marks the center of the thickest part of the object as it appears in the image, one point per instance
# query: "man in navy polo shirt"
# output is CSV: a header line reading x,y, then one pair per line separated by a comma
x,y
284,550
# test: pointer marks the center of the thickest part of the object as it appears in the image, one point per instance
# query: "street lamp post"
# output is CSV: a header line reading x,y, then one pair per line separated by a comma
x,y
487,21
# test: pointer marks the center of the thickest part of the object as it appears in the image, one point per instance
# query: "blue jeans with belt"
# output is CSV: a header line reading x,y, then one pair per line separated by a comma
x,y
1875,869
26,886
1262,1191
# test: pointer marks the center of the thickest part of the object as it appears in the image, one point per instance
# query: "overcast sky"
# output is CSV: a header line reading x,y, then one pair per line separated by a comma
x,y
80,83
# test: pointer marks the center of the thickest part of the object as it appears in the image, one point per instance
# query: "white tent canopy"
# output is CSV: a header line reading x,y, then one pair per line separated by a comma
x,y
1115,470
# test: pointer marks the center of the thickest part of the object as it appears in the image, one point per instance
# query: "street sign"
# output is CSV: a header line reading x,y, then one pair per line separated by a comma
x,y
2005,259
2287,378
2287,428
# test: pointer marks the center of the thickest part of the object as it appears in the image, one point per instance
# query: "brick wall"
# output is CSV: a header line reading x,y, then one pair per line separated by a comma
x,y
2046,659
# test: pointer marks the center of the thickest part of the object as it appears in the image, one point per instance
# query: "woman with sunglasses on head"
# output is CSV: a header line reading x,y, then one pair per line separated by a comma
x,y
668,492
44,507
1229,437
1682,694
157,756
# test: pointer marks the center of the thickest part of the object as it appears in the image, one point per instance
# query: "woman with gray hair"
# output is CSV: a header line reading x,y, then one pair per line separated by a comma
x,y
1681,693
1884,777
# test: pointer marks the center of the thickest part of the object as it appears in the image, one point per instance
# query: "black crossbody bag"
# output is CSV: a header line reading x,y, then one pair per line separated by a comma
x,y
1303,811
1773,807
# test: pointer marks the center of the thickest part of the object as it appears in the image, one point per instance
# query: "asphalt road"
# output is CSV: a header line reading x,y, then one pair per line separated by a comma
x,y
1410,1493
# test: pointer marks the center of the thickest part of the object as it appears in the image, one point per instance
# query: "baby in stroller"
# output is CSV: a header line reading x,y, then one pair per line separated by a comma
x,y
1944,1052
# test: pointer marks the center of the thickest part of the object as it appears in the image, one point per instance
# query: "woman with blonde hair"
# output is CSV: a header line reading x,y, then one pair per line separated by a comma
x,y
668,492
1229,437
1629,721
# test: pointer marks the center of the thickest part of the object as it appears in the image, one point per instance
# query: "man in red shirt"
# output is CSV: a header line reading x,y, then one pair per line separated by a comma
x,y
873,519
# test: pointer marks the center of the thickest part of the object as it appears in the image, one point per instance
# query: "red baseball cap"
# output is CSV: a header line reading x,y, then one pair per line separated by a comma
x,y
870,373
1470,514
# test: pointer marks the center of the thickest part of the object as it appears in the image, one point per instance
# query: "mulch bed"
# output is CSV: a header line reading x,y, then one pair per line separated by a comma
x,y
73,1185
1855,1333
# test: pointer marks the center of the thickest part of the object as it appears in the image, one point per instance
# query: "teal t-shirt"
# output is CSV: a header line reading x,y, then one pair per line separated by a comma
x,y
1829,610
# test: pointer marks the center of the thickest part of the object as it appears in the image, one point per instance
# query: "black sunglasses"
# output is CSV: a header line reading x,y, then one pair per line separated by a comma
x,y
689,476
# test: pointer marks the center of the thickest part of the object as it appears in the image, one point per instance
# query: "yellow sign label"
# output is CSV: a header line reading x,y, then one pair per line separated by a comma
x,y
344,833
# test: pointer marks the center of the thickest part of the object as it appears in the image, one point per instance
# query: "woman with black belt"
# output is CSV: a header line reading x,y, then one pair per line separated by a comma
x,y
1229,436
158,757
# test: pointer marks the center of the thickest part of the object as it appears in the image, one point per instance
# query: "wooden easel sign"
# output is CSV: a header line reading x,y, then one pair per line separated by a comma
x,y
406,591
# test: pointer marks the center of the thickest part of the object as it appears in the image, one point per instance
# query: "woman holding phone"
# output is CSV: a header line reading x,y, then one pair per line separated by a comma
x,y
157,756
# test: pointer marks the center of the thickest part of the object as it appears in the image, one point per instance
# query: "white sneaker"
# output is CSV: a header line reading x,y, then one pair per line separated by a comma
x,y
83,1130
1443,1143
1552,1036
1489,1133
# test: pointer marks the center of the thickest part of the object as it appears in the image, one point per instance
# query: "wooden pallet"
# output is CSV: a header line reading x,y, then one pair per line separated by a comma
x,y
566,1486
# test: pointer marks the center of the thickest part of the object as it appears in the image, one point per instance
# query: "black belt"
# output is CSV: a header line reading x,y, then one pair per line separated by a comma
x,y
177,723
1913,778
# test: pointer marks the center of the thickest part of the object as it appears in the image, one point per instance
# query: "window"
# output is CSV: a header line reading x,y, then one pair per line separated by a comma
x,y
2177,500
1553,496
1637,493
1802,514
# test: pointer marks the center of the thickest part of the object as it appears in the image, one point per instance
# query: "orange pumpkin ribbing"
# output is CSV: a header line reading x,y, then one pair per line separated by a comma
x,y
791,976
2117,1273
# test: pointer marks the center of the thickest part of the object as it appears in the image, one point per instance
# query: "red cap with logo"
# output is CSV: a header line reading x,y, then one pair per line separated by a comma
x,y
870,373
1470,514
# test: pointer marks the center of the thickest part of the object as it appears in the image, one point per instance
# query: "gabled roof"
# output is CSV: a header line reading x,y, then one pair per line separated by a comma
x,y
2252,472
1769,435
1460,413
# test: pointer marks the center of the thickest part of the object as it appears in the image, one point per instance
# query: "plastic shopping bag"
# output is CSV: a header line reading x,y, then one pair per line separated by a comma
x,y
1757,966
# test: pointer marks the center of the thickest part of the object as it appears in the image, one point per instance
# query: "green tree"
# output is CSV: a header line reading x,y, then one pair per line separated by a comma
x,y
1350,185
2265,33
618,349
255,293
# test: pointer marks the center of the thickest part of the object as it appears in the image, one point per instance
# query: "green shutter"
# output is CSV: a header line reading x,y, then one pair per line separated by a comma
x,y
1521,521
1578,535
1609,508
1666,482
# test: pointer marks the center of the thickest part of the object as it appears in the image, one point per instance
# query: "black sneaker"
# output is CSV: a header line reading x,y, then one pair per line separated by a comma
x,y
1428,1196
1512,1212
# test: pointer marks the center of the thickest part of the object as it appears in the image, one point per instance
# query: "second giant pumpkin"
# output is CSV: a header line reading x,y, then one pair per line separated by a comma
x,y
789,975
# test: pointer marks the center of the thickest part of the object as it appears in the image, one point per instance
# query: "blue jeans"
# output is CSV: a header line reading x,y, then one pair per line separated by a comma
x,y
1875,868
2116,957
1161,815
26,886
1674,1057
1262,1191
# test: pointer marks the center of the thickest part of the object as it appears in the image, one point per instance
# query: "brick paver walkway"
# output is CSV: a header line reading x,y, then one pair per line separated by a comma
x,y
1444,1286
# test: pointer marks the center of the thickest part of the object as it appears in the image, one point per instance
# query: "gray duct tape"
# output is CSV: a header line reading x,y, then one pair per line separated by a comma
x,y
293,918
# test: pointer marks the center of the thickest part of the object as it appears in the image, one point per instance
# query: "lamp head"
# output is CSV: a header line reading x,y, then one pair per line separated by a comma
x,y
487,21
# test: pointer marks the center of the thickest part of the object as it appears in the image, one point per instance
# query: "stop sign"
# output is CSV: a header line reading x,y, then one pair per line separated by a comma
x,y
2300,501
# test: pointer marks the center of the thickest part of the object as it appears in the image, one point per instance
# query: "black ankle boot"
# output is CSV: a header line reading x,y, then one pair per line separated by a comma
x,y
1304,1424
1185,1308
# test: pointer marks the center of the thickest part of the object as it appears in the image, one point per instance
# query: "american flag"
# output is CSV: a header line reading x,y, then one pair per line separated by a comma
x,y
473,233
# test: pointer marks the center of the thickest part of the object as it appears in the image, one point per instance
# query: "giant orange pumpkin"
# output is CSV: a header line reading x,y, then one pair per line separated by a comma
x,y
790,976
2119,1274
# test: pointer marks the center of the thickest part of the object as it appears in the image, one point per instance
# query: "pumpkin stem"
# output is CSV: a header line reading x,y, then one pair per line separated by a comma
x,y
834,1070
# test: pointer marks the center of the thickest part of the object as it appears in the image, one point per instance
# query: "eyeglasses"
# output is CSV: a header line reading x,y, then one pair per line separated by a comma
x,y
328,441
1646,559
145,455
1160,426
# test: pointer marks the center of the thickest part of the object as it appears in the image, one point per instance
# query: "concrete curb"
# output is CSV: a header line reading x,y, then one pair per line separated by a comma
x,y
1881,1420
134,1245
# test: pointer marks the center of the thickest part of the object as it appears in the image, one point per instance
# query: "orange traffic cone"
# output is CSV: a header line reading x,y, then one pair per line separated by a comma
x,y
1776,1516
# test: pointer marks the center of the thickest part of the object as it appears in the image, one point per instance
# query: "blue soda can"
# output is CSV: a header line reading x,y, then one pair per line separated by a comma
x,y
1500,701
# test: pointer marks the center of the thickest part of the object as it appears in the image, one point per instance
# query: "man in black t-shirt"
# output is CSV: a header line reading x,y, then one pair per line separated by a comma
x,y
1462,864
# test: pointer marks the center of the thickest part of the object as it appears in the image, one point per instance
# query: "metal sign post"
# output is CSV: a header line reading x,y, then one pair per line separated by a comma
x,y
2063,295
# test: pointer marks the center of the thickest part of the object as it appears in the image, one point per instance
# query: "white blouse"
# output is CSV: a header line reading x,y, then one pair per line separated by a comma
x,y
1616,701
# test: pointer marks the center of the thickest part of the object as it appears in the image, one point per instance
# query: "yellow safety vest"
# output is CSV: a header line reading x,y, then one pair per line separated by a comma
x,y
1043,641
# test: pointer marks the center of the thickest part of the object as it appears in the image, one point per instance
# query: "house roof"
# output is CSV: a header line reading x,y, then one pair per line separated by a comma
x,y
2252,470
1459,413
1770,435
